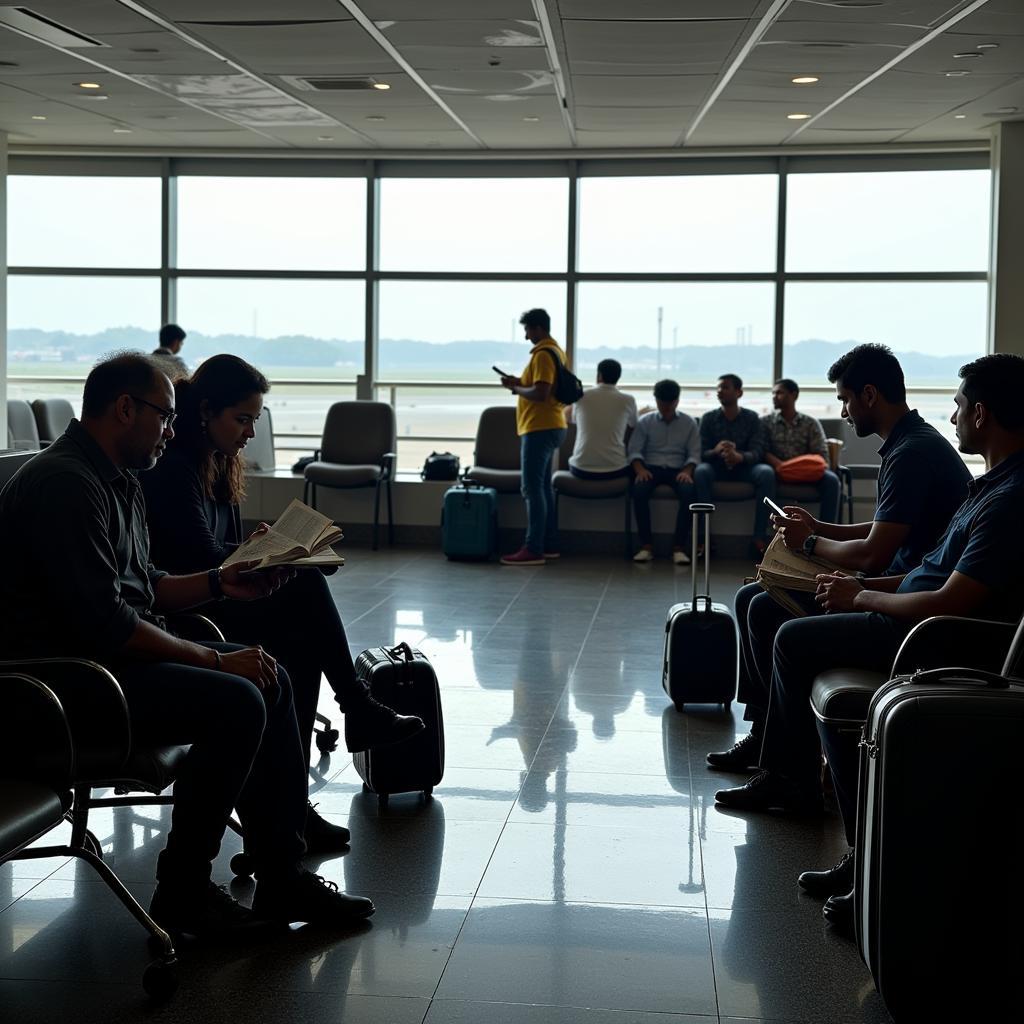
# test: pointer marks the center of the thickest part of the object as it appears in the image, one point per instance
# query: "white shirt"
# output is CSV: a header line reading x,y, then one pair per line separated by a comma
x,y
602,416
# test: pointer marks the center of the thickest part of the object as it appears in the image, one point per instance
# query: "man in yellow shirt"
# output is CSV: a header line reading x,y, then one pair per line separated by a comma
x,y
540,424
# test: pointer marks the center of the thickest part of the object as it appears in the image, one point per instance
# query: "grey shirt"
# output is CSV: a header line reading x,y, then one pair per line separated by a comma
x,y
173,365
673,443
786,440
75,550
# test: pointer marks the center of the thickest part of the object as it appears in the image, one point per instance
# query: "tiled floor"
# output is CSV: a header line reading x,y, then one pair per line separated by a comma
x,y
571,866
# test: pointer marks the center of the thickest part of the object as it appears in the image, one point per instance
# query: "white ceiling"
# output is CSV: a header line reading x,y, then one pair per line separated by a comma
x,y
522,75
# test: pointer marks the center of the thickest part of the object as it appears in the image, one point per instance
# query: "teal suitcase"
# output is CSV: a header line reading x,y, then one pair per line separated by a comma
x,y
469,521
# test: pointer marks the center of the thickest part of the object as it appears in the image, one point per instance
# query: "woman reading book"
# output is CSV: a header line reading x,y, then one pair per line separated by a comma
x,y
192,500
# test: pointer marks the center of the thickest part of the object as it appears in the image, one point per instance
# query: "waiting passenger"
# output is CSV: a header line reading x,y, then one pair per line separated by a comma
x,y
789,434
167,355
975,571
664,449
87,588
921,482
540,424
602,416
192,503
732,447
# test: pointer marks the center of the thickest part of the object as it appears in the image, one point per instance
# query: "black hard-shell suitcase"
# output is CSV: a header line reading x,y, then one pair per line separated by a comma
x,y
940,830
701,664
403,679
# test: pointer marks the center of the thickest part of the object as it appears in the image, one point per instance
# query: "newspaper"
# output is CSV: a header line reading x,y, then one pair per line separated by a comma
x,y
784,573
302,536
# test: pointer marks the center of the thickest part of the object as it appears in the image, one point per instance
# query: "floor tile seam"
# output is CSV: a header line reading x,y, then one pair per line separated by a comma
x,y
363,615
515,597
673,907
669,1015
36,883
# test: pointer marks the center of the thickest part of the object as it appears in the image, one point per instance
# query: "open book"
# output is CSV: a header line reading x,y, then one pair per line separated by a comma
x,y
300,537
783,572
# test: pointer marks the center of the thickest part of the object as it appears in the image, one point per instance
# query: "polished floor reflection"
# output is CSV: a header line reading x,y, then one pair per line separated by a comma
x,y
571,867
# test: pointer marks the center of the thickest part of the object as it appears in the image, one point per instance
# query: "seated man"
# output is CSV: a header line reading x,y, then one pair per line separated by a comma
x,y
921,483
789,434
78,582
602,417
732,446
975,571
664,448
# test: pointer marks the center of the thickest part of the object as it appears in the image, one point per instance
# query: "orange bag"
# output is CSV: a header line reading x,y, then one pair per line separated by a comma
x,y
804,469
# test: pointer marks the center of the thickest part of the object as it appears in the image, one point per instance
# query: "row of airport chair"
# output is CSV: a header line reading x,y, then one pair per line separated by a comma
x,y
34,425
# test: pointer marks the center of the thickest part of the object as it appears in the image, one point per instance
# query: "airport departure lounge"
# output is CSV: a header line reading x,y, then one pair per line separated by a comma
x,y
510,511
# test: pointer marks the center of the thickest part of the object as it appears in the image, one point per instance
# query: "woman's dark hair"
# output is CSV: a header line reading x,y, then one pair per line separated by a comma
x,y
221,381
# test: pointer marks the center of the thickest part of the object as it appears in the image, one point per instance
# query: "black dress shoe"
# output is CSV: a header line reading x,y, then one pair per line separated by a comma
x,y
839,912
768,792
368,724
310,898
836,881
207,913
321,835
742,756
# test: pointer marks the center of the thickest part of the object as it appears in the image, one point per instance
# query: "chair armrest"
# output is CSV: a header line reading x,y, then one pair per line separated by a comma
x,y
387,464
92,699
946,640
193,626
35,741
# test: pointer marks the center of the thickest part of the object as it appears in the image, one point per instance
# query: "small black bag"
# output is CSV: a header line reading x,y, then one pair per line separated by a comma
x,y
440,466
568,388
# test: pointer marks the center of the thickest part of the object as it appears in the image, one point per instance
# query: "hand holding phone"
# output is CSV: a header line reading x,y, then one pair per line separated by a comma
x,y
500,373
775,508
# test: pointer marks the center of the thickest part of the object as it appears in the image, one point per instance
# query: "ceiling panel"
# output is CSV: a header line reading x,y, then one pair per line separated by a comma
x,y
641,91
445,10
657,10
544,135
94,18
249,10
499,35
610,118
918,13
476,58
627,138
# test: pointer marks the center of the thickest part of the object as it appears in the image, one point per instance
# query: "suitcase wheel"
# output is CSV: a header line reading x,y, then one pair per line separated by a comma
x,y
327,740
679,705
428,793
382,801
727,705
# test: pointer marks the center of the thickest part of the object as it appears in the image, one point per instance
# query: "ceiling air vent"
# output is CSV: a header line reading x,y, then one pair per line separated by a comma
x,y
27,22
333,83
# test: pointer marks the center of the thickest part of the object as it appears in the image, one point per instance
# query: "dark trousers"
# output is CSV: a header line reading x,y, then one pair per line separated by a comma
x,y
614,474
300,626
663,476
761,475
803,648
244,755
536,450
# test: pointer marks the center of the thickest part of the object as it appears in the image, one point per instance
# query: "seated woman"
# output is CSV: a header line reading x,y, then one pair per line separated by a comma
x,y
192,498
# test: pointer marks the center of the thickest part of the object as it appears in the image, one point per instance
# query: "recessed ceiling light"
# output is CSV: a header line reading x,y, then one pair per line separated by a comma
x,y
375,117
383,86
957,74
806,80
1006,110
531,119
89,85
987,46
959,117
38,117
95,96
122,131
325,138
797,117
967,55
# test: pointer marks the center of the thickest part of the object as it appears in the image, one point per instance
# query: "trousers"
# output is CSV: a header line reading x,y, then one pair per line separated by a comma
x,y
536,451
762,476
663,476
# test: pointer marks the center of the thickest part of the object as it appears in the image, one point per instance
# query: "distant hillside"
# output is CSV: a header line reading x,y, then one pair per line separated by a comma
x,y
807,361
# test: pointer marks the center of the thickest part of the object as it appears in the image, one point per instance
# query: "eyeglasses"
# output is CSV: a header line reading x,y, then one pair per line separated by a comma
x,y
167,416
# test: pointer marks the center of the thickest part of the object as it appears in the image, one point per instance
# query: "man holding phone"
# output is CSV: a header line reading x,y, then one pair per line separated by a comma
x,y
921,482
540,424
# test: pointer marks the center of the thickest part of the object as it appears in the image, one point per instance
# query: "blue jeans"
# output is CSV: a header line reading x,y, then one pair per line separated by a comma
x,y
536,451
761,475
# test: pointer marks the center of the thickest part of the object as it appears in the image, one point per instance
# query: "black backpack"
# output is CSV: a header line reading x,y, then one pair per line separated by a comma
x,y
440,466
568,388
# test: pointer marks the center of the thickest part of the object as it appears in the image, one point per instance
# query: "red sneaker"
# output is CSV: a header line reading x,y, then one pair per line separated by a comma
x,y
524,556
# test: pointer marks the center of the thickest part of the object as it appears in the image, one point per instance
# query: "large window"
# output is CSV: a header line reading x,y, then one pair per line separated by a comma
x,y
673,273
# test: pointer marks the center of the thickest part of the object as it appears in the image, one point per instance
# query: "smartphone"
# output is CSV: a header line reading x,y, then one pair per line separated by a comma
x,y
775,508
500,373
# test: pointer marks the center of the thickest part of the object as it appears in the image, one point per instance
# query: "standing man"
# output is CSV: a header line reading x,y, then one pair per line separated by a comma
x,y
602,417
172,337
732,447
789,434
540,424
664,450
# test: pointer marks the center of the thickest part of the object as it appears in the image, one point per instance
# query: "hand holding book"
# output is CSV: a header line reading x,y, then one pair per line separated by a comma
x,y
301,537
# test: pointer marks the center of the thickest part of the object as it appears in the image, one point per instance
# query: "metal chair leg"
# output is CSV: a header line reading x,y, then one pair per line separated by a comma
x,y
629,526
391,517
376,513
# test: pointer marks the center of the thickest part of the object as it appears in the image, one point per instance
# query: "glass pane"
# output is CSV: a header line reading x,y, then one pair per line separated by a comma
x,y
299,411
466,224
61,221
691,331
272,223
933,327
722,223
287,328
888,221
456,330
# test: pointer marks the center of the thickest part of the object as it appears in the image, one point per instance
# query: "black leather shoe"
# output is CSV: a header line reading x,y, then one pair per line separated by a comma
x,y
836,881
768,792
322,836
309,898
742,756
368,723
208,914
839,912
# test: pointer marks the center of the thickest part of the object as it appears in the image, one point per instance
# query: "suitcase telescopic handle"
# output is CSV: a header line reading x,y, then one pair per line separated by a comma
x,y
401,652
991,680
704,509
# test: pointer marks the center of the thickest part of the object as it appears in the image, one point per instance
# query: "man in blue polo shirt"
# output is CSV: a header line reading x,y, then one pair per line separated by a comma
x,y
921,483
975,571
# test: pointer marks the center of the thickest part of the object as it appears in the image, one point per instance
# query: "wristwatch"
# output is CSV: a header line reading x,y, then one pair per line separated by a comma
x,y
216,590
808,548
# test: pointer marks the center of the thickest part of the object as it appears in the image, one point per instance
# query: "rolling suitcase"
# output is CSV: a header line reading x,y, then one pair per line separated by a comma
x,y
469,521
939,833
403,679
701,664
